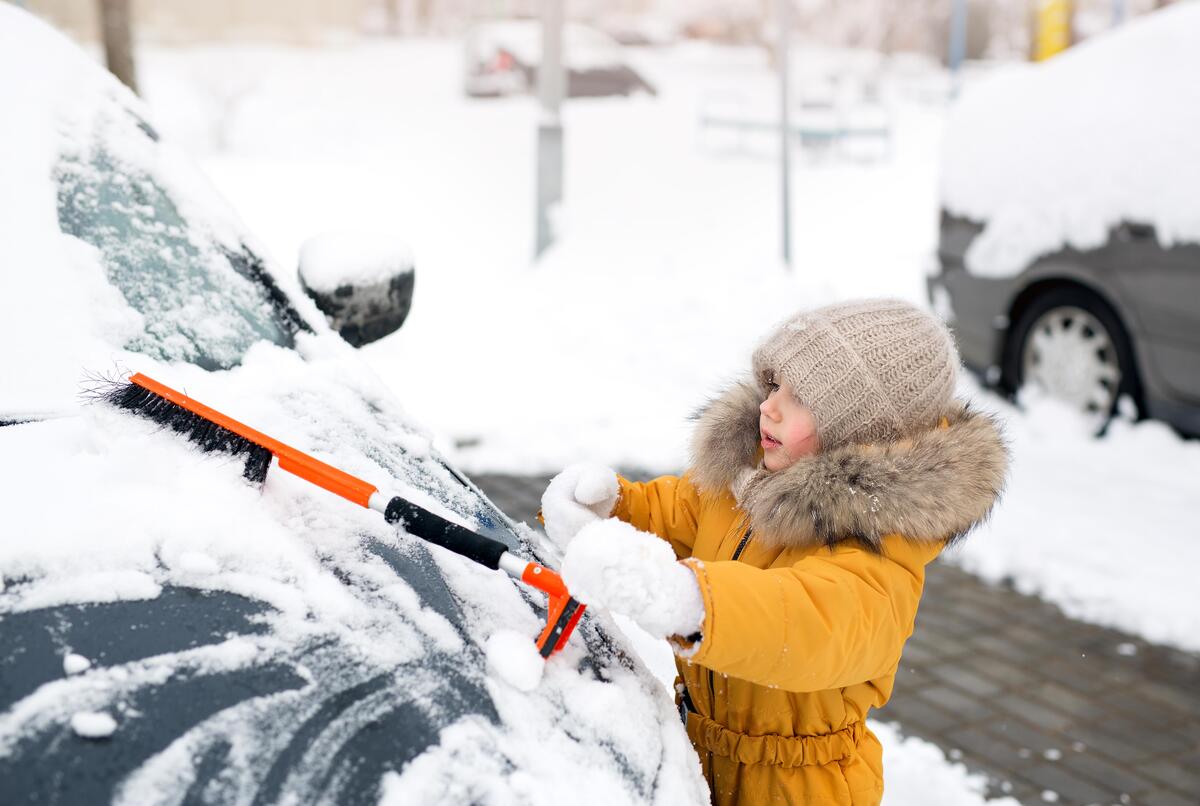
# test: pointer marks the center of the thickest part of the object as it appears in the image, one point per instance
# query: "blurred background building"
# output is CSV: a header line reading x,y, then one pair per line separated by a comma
x,y
996,28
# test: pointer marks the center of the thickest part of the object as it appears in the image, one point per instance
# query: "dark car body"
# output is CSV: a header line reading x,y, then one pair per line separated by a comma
x,y
1153,290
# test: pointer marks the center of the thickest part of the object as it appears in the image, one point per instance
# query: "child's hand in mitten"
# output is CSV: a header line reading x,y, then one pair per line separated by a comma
x,y
582,493
612,565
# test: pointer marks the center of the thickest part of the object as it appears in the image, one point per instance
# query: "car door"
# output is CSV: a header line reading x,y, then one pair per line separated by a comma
x,y
1162,284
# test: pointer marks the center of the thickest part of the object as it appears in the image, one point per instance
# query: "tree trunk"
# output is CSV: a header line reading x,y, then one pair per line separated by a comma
x,y
115,27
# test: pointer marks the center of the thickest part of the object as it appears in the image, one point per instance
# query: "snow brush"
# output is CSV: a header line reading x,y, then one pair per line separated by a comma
x,y
214,431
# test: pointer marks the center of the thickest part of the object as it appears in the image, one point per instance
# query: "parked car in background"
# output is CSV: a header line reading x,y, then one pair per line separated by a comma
x,y
169,631
1069,247
502,58
1085,326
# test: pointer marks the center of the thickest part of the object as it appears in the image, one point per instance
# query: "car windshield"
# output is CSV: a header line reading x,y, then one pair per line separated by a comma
x,y
201,301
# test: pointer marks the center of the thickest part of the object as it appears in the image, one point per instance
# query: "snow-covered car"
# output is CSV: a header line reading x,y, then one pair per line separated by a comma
x,y
502,58
169,631
1069,254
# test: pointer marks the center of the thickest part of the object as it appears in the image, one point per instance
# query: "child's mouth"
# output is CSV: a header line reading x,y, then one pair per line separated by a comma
x,y
768,441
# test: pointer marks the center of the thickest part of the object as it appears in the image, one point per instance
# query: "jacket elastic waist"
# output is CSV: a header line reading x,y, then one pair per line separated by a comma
x,y
783,751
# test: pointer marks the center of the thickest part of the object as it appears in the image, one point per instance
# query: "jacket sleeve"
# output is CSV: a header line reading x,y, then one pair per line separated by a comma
x,y
833,619
668,506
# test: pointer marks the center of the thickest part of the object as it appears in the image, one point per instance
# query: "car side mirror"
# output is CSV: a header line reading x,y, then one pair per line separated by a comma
x,y
362,283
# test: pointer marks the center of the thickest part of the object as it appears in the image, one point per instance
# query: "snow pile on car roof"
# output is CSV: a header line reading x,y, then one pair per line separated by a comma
x,y
1056,154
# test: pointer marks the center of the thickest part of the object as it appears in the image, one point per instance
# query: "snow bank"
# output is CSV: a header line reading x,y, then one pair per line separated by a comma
x,y
1104,528
1055,154
917,773
335,259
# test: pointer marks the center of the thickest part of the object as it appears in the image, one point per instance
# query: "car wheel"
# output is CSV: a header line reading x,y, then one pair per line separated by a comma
x,y
1071,344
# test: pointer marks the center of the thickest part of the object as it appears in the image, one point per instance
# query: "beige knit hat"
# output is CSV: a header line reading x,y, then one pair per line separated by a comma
x,y
870,370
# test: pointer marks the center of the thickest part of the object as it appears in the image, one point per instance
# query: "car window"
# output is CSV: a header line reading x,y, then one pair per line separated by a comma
x,y
201,301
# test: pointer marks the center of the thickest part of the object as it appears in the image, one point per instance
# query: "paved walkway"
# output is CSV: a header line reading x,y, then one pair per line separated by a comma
x,y
1052,710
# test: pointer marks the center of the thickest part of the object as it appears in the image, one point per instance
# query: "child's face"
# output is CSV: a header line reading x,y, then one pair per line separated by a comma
x,y
787,429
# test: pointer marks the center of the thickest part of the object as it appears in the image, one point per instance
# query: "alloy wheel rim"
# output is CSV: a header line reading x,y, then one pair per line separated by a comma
x,y
1070,355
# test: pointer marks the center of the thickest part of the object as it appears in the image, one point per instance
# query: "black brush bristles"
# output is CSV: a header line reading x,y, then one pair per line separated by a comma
x,y
206,434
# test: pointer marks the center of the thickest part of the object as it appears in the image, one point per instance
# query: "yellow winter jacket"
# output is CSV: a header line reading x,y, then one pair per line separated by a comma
x,y
811,578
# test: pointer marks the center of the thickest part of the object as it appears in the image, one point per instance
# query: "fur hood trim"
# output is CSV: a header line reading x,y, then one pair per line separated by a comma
x,y
936,484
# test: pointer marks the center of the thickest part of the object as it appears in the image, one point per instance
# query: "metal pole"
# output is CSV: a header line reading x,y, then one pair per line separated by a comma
x,y
551,84
958,43
785,130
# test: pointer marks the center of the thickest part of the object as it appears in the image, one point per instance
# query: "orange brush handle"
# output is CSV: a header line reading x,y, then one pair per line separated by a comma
x,y
306,467
542,578
563,611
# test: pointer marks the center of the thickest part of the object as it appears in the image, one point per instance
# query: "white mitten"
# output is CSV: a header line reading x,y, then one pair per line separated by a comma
x,y
612,565
582,493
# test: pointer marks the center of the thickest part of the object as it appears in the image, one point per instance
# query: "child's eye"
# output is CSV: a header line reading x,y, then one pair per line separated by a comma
x,y
769,382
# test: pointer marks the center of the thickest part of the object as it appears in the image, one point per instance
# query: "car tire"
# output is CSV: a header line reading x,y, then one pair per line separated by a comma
x,y
1083,353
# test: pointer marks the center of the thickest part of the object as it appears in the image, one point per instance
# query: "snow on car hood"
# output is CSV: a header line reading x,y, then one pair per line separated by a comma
x,y
1055,154
101,506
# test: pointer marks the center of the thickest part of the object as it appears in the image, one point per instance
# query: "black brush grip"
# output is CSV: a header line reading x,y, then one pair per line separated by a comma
x,y
422,523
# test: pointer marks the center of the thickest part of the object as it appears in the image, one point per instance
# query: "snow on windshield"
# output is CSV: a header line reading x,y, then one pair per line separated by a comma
x,y
1056,154
89,199
195,305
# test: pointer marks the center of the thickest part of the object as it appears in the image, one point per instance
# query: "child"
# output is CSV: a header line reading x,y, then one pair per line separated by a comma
x,y
795,544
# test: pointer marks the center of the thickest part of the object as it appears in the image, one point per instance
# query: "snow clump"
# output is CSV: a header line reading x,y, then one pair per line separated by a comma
x,y
515,659
93,725
75,664
612,564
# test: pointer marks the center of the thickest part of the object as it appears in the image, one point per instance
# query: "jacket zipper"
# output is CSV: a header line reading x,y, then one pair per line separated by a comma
x,y
712,710
712,692
741,546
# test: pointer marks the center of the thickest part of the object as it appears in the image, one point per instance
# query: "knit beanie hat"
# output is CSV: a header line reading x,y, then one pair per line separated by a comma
x,y
869,370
